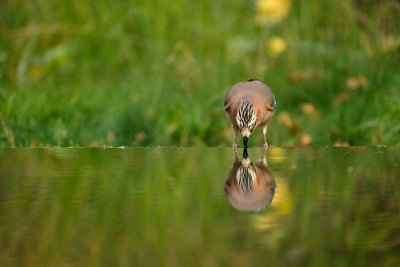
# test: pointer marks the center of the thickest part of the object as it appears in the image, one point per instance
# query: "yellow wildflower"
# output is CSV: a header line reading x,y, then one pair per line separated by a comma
x,y
276,45
271,11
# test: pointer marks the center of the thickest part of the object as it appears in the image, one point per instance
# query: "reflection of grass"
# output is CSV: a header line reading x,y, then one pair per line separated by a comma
x,y
91,207
167,207
344,207
156,74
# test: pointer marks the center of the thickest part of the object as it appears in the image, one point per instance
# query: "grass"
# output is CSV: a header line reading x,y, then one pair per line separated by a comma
x,y
155,73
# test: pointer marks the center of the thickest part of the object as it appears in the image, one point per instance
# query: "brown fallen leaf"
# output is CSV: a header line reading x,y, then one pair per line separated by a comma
x,y
310,110
354,83
341,143
299,77
305,139
342,97
110,136
285,119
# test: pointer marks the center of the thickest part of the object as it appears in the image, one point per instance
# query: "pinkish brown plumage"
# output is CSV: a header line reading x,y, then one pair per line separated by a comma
x,y
250,186
249,105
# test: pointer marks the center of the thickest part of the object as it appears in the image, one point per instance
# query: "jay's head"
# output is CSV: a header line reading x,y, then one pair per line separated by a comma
x,y
246,120
246,176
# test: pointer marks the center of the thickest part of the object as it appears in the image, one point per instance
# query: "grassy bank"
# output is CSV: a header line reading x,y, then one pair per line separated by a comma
x,y
151,73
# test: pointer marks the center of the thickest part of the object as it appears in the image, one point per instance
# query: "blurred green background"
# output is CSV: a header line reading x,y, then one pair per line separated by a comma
x,y
149,73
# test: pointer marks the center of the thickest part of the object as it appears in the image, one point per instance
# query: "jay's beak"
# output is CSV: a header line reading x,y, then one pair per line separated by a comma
x,y
245,139
245,154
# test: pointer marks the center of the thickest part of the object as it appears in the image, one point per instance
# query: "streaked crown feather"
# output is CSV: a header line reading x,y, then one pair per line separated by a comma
x,y
246,116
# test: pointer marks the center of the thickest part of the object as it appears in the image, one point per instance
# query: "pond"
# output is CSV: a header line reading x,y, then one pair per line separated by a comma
x,y
200,207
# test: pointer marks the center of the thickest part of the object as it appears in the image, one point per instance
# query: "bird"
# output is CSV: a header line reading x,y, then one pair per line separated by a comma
x,y
249,105
249,186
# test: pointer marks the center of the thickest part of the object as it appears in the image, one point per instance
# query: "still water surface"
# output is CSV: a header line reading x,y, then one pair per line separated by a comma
x,y
200,207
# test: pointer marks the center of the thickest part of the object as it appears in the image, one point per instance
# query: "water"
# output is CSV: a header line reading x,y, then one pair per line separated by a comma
x,y
180,207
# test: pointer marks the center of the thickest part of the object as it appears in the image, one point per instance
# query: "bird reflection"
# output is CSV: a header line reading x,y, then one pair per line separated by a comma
x,y
249,186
